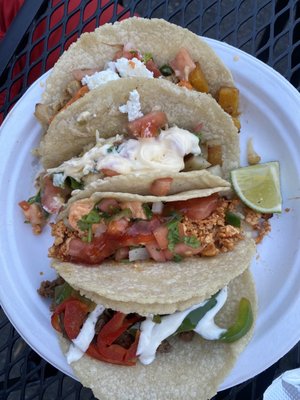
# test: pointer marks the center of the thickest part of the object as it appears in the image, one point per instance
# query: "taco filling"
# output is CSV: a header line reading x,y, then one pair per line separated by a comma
x,y
118,338
128,231
129,62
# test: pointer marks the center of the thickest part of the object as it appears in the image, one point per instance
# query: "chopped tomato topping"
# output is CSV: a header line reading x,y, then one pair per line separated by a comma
x,y
109,172
33,214
151,66
52,197
108,205
195,208
161,236
91,253
117,227
148,125
161,186
122,253
183,64
155,252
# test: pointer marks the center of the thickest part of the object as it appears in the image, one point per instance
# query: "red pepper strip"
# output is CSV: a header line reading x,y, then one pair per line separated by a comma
x,y
115,354
115,327
74,315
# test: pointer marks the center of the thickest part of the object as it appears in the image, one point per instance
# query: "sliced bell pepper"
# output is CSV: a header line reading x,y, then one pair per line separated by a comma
x,y
242,324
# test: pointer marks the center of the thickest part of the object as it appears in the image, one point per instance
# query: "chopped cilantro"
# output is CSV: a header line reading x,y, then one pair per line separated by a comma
x,y
177,258
86,222
199,135
147,57
73,184
147,211
112,148
191,241
134,52
173,231
35,199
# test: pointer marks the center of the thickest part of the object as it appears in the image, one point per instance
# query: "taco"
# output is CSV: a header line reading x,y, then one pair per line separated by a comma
x,y
136,47
139,109
155,354
160,143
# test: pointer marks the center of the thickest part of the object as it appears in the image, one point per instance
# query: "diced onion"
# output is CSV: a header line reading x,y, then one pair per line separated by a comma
x,y
157,207
138,254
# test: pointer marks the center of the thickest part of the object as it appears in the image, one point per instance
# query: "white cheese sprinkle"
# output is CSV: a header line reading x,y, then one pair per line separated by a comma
x,y
99,78
132,107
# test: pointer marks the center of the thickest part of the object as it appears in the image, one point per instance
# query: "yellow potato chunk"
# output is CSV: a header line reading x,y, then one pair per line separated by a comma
x,y
214,154
228,98
198,80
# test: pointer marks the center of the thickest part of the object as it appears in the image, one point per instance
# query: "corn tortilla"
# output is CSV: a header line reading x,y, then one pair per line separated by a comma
x,y
156,36
192,370
148,286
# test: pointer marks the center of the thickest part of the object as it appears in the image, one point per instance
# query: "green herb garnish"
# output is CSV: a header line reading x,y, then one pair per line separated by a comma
x,y
191,241
73,184
156,318
86,222
177,258
147,211
232,219
173,231
147,57
199,135
35,199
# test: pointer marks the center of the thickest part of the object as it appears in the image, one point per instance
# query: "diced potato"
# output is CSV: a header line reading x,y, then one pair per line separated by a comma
x,y
214,154
185,84
198,80
228,98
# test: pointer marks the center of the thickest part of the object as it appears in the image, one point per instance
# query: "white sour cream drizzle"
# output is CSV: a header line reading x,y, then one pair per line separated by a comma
x,y
152,334
162,153
81,343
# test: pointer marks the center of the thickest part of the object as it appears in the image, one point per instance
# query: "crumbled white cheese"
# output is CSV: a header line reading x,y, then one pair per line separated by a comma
x,y
133,106
99,78
84,116
131,68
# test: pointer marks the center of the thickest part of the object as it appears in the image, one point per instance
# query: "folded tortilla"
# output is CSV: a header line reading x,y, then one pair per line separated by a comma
x,y
192,370
156,36
68,133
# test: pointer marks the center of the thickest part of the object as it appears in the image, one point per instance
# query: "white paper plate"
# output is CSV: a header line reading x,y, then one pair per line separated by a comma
x,y
270,115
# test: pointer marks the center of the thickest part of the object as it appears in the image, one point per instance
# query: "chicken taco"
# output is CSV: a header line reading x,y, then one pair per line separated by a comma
x,y
137,47
182,354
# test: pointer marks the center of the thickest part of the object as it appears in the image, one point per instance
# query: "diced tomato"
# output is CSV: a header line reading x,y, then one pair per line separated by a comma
x,y
99,229
199,208
114,328
161,236
127,52
117,227
183,64
155,252
151,66
136,208
33,214
91,253
108,205
161,187
122,253
148,125
52,197
140,232
109,172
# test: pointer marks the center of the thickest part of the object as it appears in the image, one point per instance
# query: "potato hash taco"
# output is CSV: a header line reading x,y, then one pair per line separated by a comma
x,y
142,127
153,354
136,47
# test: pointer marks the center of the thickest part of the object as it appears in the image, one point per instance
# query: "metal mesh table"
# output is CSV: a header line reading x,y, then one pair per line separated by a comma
x,y
268,30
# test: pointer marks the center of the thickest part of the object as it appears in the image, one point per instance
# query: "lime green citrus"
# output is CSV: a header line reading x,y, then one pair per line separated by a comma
x,y
258,186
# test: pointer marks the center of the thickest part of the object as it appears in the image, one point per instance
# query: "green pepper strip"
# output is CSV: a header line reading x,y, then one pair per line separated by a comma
x,y
232,219
242,324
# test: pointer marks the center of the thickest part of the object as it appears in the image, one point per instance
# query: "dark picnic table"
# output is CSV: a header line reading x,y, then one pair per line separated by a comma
x,y
268,30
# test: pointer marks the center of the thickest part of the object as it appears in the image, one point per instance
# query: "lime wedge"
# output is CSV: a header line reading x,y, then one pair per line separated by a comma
x,y
258,186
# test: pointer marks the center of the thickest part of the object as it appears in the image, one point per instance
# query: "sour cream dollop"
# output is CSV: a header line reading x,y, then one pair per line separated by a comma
x,y
162,153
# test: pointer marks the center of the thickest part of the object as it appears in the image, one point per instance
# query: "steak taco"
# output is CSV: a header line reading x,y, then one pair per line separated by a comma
x,y
136,47
183,354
